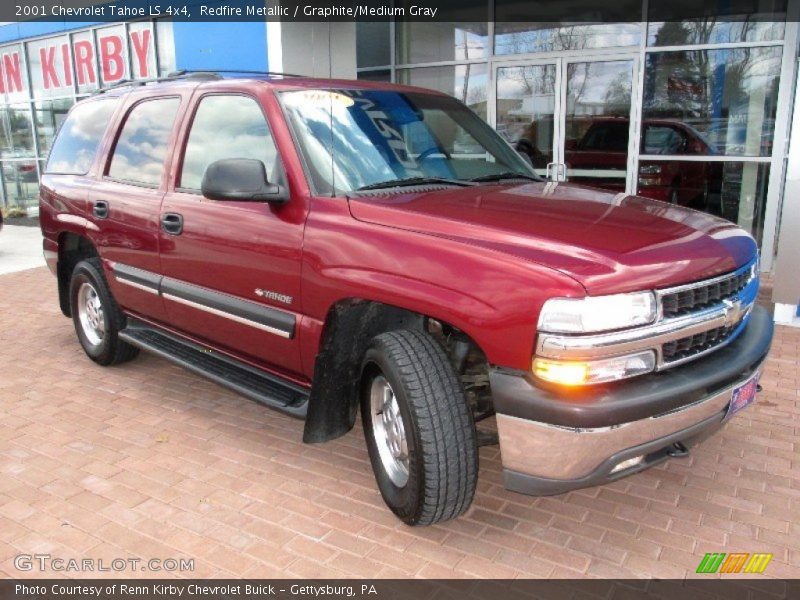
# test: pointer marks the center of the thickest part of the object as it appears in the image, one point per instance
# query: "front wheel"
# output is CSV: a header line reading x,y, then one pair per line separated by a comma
x,y
419,429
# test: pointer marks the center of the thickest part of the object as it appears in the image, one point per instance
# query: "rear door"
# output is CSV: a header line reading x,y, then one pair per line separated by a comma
x,y
124,203
232,269
68,176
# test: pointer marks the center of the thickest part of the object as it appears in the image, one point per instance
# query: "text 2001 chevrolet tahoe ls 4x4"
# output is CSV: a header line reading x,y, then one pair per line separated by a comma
x,y
323,246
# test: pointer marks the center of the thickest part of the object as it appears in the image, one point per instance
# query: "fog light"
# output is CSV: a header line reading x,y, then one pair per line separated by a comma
x,y
571,372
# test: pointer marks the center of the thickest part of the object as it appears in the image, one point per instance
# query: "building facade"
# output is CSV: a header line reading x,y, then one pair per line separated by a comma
x,y
46,67
698,113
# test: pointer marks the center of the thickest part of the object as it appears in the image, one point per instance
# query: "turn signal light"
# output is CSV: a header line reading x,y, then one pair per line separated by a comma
x,y
571,372
565,373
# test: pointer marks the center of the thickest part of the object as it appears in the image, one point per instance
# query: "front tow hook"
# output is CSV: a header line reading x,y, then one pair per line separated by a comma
x,y
678,450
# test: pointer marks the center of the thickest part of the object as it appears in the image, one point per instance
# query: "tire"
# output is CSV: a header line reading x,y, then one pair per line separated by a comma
x,y
98,325
426,398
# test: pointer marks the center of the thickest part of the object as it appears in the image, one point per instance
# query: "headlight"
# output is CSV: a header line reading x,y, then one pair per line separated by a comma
x,y
597,313
573,372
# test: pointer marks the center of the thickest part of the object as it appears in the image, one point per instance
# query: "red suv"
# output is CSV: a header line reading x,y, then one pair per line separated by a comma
x,y
604,147
327,246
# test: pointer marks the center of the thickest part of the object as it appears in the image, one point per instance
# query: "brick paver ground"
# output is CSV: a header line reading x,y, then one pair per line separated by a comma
x,y
150,461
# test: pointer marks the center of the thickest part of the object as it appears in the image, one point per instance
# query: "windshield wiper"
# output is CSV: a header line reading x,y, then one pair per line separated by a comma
x,y
505,175
413,181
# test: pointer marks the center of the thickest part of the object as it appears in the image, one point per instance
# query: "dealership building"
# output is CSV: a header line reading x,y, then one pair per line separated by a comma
x,y
701,112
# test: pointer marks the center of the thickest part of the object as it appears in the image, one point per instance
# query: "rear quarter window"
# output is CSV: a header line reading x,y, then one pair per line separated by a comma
x,y
77,141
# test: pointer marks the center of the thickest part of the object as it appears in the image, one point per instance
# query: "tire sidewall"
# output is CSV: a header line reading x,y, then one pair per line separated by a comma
x,y
85,272
405,502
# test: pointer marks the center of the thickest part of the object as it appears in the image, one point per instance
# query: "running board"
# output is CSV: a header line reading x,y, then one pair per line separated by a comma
x,y
228,372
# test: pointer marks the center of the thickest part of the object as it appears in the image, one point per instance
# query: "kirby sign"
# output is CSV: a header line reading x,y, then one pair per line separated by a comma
x,y
57,64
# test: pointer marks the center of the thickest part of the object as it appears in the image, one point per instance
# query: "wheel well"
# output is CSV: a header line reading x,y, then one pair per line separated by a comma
x,y
72,248
349,327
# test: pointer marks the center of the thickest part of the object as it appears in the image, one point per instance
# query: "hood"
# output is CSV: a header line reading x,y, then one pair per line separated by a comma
x,y
610,243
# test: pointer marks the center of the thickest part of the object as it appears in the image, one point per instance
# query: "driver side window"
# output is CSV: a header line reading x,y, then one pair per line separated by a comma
x,y
227,127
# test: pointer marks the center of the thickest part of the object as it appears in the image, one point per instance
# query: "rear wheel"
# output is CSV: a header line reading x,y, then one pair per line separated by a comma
x,y
419,430
96,316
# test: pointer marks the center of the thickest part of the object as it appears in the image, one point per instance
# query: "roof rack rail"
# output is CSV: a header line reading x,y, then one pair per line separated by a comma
x,y
119,84
183,74
208,72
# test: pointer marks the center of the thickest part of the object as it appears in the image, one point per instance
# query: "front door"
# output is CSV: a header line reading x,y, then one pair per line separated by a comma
x,y
571,116
232,268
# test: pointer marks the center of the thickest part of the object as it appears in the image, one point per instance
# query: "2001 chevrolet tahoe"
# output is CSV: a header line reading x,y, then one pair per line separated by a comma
x,y
323,246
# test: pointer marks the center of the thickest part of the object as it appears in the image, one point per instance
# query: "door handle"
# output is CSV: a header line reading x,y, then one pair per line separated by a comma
x,y
100,209
172,223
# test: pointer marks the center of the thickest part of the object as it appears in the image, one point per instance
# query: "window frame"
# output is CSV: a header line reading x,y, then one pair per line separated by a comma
x,y
118,134
99,147
187,132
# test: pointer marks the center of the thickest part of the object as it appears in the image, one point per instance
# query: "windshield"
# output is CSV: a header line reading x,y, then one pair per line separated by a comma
x,y
351,139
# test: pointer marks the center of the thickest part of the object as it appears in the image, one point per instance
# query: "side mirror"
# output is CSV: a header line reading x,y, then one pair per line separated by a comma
x,y
243,179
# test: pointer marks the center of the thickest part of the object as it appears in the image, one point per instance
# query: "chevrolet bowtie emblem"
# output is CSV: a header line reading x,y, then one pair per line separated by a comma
x,y
734,311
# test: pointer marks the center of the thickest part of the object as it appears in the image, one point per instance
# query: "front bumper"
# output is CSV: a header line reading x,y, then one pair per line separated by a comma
x,y
552,441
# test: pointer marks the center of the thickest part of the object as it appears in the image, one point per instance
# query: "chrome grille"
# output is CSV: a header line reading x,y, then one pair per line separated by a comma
x,y
679,350
689,299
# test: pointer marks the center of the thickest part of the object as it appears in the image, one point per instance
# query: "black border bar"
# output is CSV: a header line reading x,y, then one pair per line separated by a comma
x,y
463,11
706,587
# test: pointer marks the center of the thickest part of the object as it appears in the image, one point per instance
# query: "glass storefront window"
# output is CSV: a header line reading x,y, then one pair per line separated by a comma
x,y
383,75
597,122
726,98
764,21
49,114
468,83
522,38
704,32
20,183
372,44
16,133
525,110
736,191
421,42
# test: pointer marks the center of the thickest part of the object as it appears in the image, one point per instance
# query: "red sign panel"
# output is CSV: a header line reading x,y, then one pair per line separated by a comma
x,y
55,65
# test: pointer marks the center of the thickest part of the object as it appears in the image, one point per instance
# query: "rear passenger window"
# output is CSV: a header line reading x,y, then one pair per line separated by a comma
x,y
227,127
79,137
142,145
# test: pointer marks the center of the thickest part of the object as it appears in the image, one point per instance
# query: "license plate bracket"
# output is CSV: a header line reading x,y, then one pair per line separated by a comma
x,y
743,395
